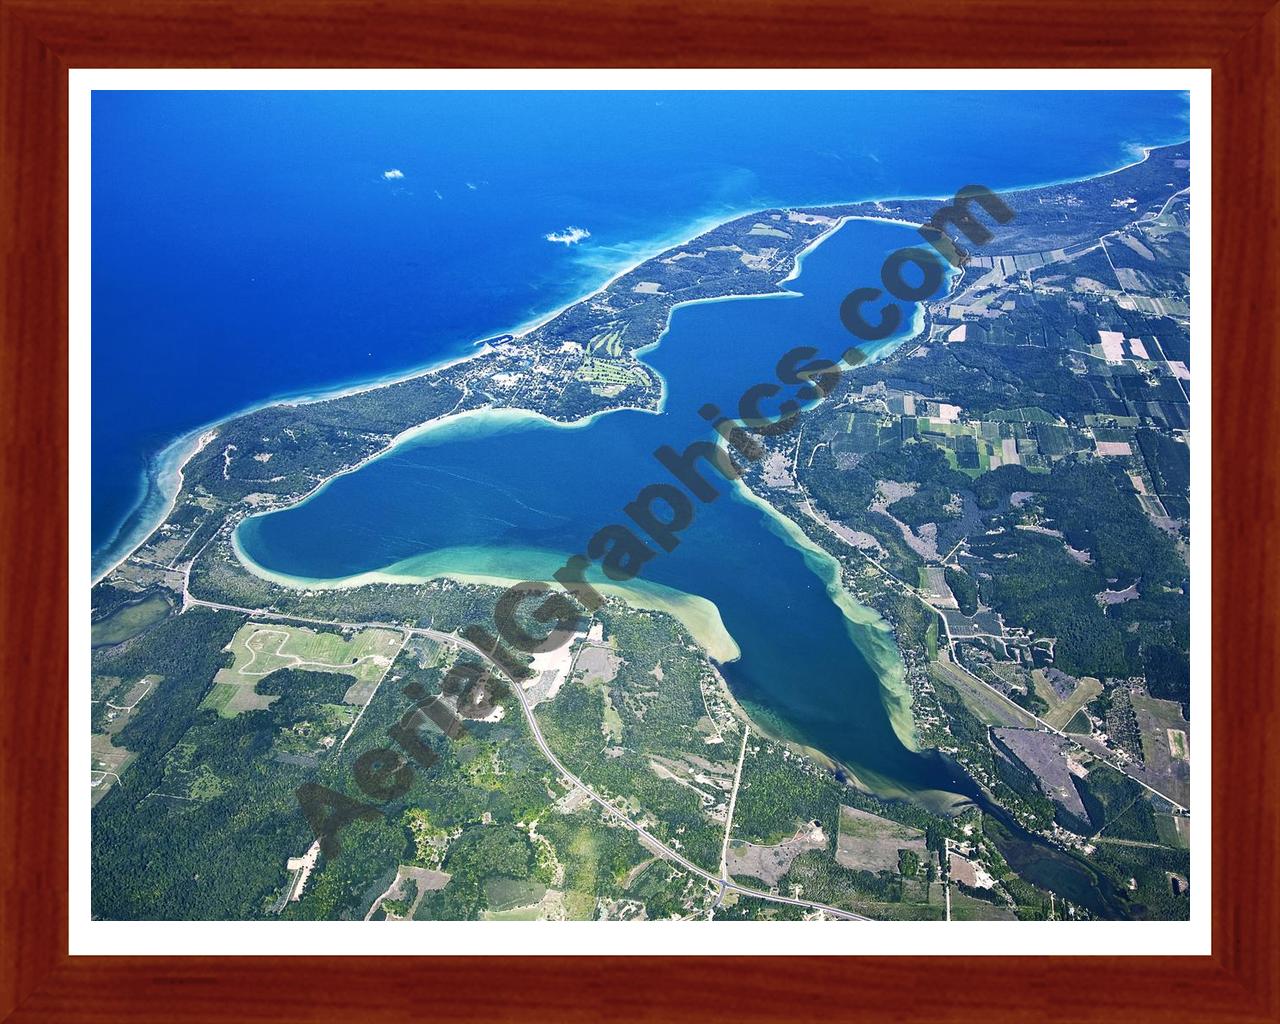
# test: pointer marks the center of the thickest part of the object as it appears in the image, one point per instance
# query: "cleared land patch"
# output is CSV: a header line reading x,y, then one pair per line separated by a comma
x,y
986,705
1063,708
1166,745
966,908
406,891
128,701
1044,755
770,863
262,649
108,761
598,667
107,757
505,894
868,842
610,377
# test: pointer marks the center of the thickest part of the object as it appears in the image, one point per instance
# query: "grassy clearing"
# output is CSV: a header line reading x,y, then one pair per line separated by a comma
x,y
106,756
1063,711
580,899
219,697
882,911
611,724
598,371
986,705
518,914
869,842
261,649
1174,830
107,763
1166,744
609,343
514,894
1079,724
966,908
142,688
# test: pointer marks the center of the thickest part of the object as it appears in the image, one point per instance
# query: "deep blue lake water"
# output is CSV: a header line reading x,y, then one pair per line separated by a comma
x,y
521,497
248,246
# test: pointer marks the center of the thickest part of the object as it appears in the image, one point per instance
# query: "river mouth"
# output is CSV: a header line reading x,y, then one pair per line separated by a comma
x,y
1062,873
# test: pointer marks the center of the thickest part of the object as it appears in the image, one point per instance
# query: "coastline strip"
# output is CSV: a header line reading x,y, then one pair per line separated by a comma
x,y
147,525
698,615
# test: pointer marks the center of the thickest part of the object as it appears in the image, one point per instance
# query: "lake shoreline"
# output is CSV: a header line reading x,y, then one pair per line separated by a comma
x,y
697,614
872,636
159,491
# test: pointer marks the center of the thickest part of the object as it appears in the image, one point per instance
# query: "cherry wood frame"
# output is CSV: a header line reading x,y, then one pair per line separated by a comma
x,y
41,39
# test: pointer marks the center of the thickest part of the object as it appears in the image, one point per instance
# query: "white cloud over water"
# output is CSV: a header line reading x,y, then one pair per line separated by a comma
x,y
393,174
569,236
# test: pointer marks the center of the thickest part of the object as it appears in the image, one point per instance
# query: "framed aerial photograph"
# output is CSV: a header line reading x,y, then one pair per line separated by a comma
x,y
750,526
624,523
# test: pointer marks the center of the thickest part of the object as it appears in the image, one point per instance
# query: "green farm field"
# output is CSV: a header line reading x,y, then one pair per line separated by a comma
x,y
261,649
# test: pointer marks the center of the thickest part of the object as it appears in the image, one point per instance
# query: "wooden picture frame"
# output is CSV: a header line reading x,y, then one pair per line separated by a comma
x,y
40,40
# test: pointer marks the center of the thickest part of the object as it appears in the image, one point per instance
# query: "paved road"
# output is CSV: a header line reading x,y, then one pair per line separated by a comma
x,y
649,840
911,591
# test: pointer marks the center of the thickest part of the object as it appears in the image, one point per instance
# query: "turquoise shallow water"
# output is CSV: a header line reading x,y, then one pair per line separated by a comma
x,y
235,230
460,498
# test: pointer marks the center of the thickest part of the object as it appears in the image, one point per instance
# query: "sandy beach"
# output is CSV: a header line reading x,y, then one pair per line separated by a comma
x,y
698,615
